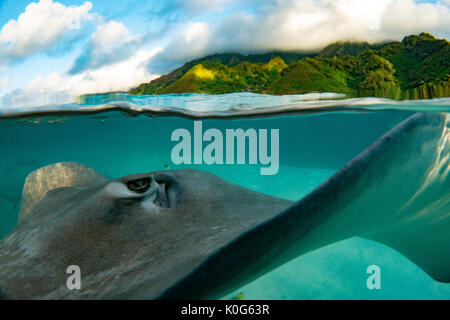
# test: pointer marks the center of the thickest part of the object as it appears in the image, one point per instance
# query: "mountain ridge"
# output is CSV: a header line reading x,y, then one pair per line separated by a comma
x,y
414,68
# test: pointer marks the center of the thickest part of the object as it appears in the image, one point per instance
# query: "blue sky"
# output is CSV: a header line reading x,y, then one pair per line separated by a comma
x,y
53,50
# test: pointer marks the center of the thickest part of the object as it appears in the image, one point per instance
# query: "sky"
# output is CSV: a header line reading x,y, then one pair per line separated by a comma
x,y
53,50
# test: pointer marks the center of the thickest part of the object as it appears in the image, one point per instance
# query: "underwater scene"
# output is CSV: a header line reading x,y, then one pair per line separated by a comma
x,y
314,145
224,151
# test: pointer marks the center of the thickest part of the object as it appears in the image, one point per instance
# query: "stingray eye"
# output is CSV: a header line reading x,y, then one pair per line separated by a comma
x,y
139,186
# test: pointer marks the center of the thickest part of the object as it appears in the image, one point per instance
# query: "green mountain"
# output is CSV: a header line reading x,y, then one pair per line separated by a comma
x,y
417,67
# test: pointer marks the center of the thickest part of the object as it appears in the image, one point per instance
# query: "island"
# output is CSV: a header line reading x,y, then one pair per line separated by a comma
x,y
418,67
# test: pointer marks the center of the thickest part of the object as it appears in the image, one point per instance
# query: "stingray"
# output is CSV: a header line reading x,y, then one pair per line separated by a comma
x,y
187,234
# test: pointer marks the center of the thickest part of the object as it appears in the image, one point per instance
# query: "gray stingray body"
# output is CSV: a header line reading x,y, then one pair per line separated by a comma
x,y
127,243
188,234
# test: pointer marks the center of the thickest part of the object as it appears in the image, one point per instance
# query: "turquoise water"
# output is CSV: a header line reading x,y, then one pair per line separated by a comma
x,y
313,147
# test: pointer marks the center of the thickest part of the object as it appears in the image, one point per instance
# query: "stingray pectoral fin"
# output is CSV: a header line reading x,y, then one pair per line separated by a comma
x,y
410,203
59,175
395,192
404,194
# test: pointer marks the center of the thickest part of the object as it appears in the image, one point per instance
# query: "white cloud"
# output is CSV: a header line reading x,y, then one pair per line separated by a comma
x,y
120,76
39,27
59,88
307,25
111,32
190,42
194,38
4,83
404,16
110,43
